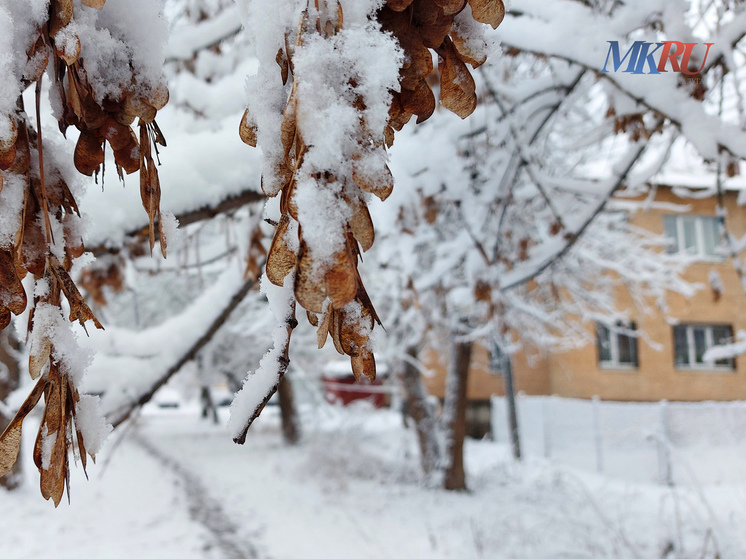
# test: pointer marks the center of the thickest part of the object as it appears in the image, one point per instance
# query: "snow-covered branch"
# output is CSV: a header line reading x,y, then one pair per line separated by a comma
x,y
155,354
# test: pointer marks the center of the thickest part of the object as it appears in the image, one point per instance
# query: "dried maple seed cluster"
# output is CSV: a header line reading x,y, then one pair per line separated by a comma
x,y
335,301
634,124
48,240
108,121
333,293
421,25
59,430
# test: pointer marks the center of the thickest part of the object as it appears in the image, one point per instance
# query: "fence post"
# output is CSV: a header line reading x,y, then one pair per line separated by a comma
x,y
545,427
597,435
665,475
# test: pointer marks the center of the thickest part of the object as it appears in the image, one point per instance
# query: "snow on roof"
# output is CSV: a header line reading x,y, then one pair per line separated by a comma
x,y
683,166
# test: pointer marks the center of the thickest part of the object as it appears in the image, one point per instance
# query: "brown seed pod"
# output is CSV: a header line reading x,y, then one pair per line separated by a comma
x,y
89,152
117,134
247,130
464,51
361,225
398,5
457,87
310,289
61,13
98,4
341,279
281,260
140,108
419,100
490,12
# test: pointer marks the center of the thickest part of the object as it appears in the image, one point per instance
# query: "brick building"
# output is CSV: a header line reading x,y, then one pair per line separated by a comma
x,y
620,367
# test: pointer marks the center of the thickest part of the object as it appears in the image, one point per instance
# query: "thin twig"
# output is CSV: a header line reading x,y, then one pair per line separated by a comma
x,y
636,154
524,158
510,176
283,361
177,269
40,149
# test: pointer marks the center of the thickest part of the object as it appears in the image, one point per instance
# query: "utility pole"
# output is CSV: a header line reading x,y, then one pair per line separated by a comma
x,y
501,362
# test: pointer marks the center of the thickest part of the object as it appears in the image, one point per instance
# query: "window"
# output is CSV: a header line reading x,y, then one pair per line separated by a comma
x,y
691,341
616,349
499,360
697,235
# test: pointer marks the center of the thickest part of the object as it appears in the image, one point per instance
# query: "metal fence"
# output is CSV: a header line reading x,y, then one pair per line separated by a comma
x,y
679,442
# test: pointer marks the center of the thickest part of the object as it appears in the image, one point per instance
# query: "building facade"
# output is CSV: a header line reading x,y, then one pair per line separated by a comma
x,y
623,367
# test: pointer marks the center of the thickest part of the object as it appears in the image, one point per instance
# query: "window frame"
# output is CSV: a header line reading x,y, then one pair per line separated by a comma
x,y
693,365
677,245
613,337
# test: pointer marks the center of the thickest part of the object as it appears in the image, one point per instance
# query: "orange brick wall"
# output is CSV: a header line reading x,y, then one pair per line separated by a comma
x,y
482,383
577,374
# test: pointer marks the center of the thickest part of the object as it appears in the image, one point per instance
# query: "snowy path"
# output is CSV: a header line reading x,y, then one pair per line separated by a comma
x,y
131,507
180,489
351,491
203,508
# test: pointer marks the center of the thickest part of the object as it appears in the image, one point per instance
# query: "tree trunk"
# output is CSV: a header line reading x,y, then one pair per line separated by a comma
x,y
419,409
290,425
455,415
208,405
9,380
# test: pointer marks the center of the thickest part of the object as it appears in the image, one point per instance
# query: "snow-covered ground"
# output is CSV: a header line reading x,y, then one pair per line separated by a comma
x,y
176,486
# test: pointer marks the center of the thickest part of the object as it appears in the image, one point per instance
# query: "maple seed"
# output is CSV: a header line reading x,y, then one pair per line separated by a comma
x,y
89,152
280,260
457,87
60,15
490,12
247,130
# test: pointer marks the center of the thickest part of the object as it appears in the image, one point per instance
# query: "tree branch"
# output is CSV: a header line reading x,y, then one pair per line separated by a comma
x,y
677,107
283,360
637,151
185,44
188,356
229,204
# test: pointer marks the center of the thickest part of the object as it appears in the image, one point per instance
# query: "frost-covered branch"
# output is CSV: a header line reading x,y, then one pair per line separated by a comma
x,y
260,385
155,354
727,351
186,41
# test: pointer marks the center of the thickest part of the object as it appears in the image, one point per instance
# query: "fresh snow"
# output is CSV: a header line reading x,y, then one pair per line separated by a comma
x,y
352,489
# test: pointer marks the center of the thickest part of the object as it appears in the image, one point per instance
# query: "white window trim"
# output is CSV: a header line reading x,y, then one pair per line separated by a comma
x,y
614,366
699,238
614,362
692,350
